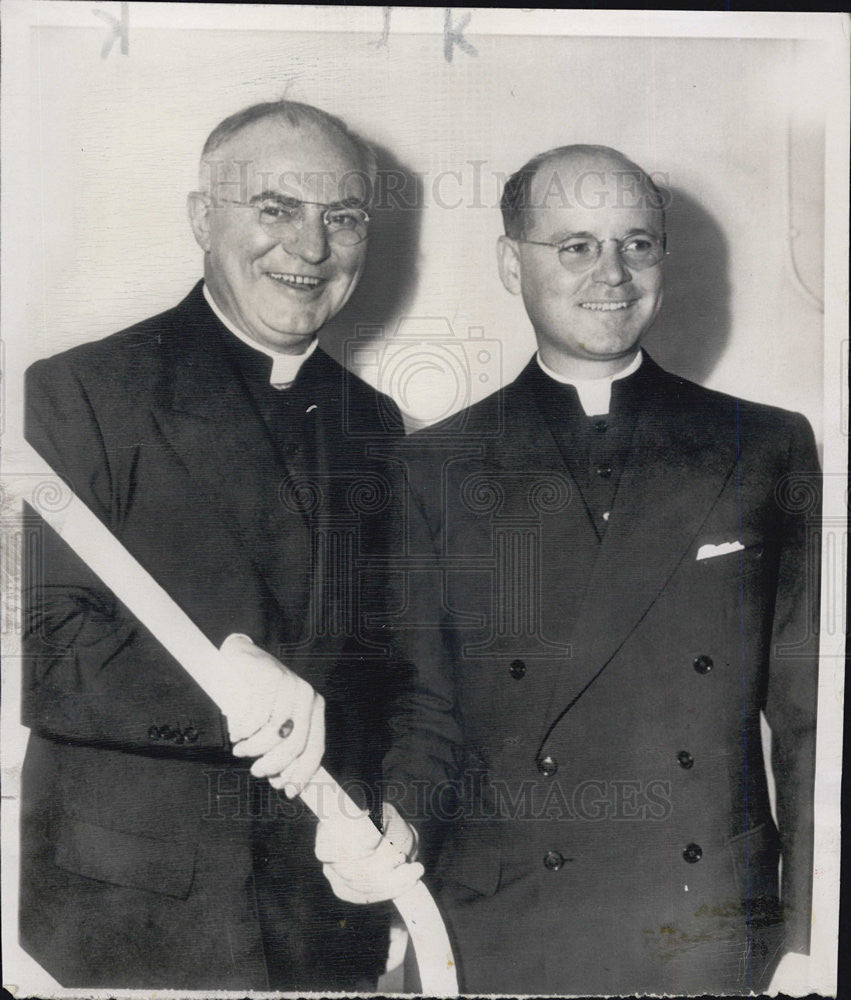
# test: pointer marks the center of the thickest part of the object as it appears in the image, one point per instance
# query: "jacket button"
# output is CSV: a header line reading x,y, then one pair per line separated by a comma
x,y
604,471
703,664
191,734
601,426
517,669
553,861
153,733
166,732
693,853
547,766
685,759
291,449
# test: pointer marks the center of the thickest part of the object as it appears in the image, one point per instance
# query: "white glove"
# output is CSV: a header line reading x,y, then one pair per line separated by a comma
x,y
398,945
273,715
359,875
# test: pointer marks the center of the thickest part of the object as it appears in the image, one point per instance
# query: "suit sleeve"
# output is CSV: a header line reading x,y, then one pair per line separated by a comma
x,y
92,674
420,769
793,678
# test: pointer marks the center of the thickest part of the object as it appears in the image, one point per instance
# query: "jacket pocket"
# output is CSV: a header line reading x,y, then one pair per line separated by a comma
x,y
471,857
741,563
96,852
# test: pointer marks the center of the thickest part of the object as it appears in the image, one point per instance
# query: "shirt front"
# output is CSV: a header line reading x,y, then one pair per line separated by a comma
x,y
285,367
592,426
594,393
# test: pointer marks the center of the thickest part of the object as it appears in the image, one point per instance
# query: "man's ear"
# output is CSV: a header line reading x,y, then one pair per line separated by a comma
x,y
198,206
509,264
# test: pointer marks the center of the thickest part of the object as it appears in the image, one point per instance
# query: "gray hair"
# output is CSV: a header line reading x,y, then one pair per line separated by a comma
x,y
294,114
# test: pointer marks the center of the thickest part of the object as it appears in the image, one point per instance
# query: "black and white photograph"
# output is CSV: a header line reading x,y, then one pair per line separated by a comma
x,y
424,500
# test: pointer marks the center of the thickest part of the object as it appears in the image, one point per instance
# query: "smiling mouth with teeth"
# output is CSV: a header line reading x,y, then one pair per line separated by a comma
x,y
295,280
606,306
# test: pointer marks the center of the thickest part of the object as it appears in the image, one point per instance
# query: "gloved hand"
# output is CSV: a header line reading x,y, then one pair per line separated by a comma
x,y
273,715
360,875
398,944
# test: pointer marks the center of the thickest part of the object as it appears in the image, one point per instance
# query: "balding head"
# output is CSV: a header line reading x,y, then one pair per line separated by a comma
x,y
222,154
582,176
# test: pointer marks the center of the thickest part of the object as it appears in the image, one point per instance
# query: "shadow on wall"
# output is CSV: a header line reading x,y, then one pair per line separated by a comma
x,y
390,276
693,328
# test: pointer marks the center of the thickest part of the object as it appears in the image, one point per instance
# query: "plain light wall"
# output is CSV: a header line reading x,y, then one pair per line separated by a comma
x,y
731,125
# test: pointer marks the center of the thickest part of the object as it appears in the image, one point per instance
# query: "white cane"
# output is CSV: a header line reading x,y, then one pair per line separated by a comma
x,y
151,605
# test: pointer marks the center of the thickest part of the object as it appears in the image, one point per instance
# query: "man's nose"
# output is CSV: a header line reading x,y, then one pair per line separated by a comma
x,y
610,269
311,240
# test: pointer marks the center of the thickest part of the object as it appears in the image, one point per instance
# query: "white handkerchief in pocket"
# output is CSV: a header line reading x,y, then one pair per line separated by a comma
x,y
710,551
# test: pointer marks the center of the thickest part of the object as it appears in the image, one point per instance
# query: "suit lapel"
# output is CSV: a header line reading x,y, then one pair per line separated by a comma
x,y
674,473
527,442
532,470
210,421
314,491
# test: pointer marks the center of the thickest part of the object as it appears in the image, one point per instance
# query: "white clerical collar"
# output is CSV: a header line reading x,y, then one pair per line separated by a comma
x,y
594,393
285,367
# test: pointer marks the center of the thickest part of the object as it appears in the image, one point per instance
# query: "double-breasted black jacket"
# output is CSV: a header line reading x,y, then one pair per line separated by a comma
x,y
595,630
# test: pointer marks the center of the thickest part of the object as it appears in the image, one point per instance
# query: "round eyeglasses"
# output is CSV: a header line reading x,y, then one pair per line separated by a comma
x,y
580,253
283,218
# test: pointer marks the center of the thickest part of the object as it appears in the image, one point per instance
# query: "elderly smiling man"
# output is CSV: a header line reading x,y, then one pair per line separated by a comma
x,y
221,445
619,588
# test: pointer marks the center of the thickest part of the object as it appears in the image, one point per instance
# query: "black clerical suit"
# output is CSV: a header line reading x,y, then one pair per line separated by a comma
x,y
600,609
150,857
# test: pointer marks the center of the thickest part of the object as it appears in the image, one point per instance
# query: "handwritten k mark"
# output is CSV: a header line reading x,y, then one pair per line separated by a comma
x,y
119,29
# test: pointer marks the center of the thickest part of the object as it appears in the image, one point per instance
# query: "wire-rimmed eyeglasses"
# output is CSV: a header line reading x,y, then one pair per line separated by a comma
x,y
580,253
283,218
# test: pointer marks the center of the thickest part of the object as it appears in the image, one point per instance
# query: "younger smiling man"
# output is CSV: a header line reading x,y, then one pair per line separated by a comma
x,y
219,443
622,590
